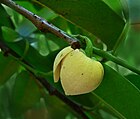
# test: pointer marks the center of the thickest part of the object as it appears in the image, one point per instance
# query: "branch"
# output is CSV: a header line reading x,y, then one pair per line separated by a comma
x,y
42,24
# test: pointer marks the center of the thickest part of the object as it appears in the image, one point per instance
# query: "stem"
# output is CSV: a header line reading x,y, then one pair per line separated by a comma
x,y
42,24
119,61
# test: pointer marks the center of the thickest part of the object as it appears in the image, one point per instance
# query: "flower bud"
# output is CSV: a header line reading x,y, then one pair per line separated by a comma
x,y
78,73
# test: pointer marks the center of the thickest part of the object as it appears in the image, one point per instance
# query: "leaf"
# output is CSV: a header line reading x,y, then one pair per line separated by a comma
x,y
42,44
33,57
25,28
4,19
120,94
7,68
115,5
4,102
10,35
56,108
135,79
25,93
55,42
47,14
92,15
120,7
27,5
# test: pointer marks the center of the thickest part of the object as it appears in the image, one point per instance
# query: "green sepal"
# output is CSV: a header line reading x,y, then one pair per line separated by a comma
x,y
86,44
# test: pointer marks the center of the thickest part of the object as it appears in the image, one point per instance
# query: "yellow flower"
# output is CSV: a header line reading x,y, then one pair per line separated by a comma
x,y
78,73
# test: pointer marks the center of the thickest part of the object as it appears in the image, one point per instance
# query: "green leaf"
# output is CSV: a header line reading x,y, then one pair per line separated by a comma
x,y
119,93
4,19
47,14
7,68
45,45
33,57
4,102
56,108
42,44
25,28
27,4
135,79
55,42
120,7
25,93
94,16
10,35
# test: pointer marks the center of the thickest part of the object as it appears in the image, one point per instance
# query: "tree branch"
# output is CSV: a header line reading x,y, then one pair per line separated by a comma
x,y
42,24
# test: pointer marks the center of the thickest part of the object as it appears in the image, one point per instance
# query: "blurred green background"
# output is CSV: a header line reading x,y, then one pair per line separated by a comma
x,y
46,106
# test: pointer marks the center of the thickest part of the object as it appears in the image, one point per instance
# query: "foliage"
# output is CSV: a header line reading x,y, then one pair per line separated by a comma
x,y
105,22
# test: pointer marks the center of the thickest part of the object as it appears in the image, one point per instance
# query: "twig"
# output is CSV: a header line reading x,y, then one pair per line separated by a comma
x,y
42,24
